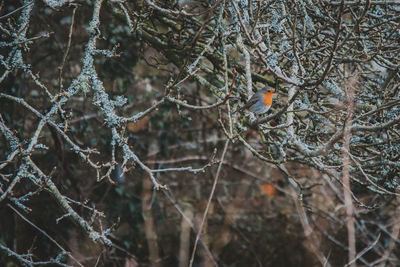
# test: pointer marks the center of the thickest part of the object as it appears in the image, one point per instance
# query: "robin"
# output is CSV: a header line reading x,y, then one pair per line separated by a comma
x,y
260,102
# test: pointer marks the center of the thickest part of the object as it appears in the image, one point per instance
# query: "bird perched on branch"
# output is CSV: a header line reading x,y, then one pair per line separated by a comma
x,y
260,102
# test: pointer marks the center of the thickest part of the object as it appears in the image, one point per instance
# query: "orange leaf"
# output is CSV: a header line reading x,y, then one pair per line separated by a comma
x,y
269,189
139,125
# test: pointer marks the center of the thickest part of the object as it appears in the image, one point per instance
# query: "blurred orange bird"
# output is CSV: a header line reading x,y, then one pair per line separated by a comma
x,y
260,102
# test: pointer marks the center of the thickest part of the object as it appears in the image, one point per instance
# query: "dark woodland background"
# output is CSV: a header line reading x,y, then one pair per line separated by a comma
x,y
123,141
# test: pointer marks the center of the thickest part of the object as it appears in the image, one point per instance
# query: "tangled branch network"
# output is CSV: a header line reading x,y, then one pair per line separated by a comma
x,y
70,93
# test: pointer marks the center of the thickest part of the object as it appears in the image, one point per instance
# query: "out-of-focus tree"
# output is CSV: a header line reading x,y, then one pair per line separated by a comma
x,y
98,95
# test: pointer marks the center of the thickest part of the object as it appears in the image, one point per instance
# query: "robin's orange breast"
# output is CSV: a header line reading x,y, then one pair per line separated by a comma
x,y
267,98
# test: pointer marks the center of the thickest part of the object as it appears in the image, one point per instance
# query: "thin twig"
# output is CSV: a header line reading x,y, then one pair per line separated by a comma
x,y
45,234
60,68
16,10
208,203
